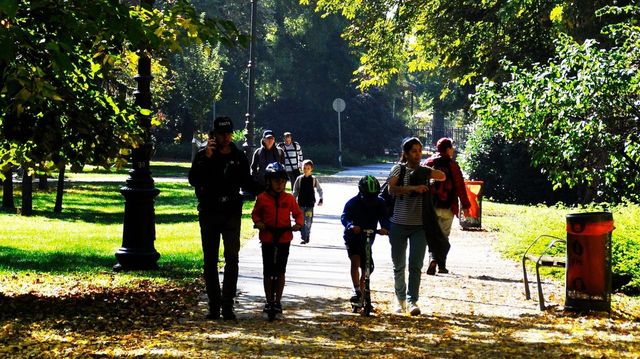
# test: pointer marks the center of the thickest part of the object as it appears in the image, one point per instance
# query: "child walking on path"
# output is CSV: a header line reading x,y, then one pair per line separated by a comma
x,y
362,212
304,190
272,216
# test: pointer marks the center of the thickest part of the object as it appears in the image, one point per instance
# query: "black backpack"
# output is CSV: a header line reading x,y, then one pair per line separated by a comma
x,y
390,200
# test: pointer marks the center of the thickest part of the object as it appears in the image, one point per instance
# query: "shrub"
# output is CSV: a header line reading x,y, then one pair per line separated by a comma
x,y
506,170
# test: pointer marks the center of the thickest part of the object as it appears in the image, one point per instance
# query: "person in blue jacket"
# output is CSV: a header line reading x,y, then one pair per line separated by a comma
x,y
361,212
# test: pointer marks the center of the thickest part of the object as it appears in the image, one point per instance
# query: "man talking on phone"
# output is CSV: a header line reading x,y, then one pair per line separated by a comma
x,y
217,173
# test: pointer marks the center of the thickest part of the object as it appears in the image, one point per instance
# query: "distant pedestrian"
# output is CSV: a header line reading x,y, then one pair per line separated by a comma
x,y
362,212
292,157
445,196
217,173
407,224
266,154
304,190
272,216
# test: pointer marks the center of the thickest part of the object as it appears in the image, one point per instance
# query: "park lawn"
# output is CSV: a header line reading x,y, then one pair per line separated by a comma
x,y
170,169
517,226
79,244
159,169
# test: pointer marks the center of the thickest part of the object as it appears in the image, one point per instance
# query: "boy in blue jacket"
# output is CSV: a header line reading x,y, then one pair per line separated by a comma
x,y
362,212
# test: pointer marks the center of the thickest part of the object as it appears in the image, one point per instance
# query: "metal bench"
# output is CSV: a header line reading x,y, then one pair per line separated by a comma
x,y
542,260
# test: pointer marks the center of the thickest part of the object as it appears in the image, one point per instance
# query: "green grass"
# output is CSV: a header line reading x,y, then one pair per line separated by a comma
x,y
84,238
517,226
158,169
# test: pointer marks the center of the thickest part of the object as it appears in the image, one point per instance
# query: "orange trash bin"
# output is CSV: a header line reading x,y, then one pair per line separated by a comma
x,y
588,271
474,192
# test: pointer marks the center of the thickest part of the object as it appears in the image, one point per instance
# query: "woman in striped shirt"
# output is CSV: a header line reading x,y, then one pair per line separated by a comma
x,y
407,224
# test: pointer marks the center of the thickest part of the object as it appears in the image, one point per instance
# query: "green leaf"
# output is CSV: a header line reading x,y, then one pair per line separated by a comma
x,y
9,7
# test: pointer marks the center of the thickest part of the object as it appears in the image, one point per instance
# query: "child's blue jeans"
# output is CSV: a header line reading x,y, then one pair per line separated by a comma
x,y
308,221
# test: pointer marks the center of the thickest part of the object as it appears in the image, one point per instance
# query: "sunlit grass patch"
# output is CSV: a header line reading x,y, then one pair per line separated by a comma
x,y
85,236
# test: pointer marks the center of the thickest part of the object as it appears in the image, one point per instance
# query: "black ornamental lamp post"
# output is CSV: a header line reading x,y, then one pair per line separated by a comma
x,y
250,115
139,232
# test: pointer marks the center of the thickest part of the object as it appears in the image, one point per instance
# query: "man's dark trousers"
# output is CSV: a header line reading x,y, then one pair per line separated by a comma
x,y
212,226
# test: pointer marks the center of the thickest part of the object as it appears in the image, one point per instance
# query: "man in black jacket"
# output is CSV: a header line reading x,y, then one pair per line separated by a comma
x,y
217,173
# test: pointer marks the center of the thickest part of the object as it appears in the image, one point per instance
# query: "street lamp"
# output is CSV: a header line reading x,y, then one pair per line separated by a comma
x,y
251,92
339,106
139,232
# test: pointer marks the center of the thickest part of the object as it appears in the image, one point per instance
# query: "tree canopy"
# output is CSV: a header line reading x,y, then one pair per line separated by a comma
x,y
62,65
579,114
463,40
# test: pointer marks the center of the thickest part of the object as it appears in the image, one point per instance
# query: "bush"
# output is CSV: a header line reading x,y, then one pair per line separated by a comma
x,y
173,151
321,154
506,170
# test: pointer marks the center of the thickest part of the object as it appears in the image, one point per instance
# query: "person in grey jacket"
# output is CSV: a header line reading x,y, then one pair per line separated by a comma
x,y
267,153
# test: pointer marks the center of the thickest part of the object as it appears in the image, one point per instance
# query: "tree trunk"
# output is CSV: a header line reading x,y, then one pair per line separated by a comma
x,y
43,183
8,203
27,194
60,191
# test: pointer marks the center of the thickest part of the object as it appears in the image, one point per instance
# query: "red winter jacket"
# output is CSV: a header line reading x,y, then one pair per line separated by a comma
x,y
276,214
454,174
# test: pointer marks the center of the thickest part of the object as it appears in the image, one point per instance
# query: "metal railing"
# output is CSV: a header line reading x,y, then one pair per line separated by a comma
x,y
430,135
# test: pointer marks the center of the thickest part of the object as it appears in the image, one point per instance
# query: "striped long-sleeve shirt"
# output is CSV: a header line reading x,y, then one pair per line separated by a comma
x,y
292,156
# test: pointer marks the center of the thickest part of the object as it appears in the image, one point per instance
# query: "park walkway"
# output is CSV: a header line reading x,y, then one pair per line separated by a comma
x,y
318,281
478,310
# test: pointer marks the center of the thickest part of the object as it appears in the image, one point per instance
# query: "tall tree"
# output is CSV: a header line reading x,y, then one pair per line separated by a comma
x,y
579,114
196,75
59,95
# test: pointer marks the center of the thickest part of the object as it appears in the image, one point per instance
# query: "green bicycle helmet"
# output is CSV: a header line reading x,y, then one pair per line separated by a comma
x,y
369,186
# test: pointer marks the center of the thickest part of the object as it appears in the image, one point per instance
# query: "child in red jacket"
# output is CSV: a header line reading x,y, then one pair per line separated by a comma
x,y
272,216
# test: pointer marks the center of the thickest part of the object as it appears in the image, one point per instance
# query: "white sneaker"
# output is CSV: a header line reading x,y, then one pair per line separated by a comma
x,y
401,307
414,309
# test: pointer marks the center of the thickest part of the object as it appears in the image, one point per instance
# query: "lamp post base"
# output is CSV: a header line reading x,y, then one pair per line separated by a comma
x,y
136,259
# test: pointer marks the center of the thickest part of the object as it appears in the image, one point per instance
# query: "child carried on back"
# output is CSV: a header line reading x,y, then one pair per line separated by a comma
x,y
272,216
362,212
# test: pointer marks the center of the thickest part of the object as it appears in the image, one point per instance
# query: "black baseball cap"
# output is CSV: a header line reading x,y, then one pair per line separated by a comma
x,y
222,124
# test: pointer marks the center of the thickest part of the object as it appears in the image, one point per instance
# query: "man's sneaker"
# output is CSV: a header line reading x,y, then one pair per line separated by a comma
x,y
414,309
431,270
443,270
278,309
401,307
228,313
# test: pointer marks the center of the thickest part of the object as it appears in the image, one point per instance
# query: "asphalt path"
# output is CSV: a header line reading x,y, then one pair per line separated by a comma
x,y
319,269
318,280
